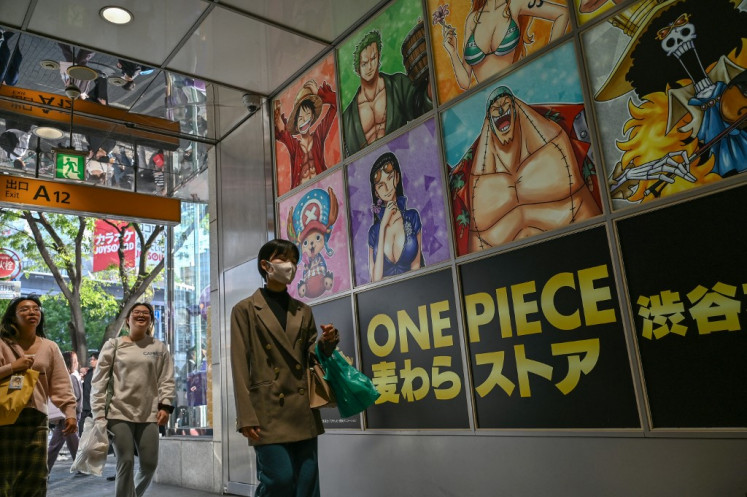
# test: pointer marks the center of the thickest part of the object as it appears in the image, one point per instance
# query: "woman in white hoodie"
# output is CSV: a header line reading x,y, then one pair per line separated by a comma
x,y
141,373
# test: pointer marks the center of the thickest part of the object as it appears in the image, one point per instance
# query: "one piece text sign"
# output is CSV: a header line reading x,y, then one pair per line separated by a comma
x,y
410,348
547,346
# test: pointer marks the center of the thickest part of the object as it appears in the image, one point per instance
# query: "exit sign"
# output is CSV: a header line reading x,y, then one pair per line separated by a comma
x,y
70,165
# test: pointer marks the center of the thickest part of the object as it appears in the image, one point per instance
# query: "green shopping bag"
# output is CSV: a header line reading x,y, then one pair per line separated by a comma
x,y
354,391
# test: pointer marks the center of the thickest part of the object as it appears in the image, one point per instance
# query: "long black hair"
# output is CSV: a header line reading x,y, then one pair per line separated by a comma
x,y
8,324
381,164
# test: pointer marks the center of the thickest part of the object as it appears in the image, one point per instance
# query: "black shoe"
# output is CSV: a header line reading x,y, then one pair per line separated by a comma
x,y
111,478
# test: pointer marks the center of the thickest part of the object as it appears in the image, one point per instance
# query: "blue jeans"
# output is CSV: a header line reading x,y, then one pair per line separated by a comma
x,y
288,470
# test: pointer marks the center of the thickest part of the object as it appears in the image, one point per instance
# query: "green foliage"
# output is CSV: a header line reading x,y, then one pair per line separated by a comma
x,y
18,236
99,309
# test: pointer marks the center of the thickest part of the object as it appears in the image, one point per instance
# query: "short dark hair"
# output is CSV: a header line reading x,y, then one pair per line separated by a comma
x,y
308,105
370,38
7,324
278,246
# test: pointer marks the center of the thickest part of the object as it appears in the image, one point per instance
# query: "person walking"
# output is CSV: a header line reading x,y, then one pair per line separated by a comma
x,y
57,419
23,445
272,339
86,403
141,373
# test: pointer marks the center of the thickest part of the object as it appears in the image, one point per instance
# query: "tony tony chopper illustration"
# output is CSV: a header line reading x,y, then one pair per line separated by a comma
x,y
310,226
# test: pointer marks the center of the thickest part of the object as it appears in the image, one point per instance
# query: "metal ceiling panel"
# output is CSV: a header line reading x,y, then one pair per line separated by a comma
x,y
244,52
323,19
12,12
229,108
155,32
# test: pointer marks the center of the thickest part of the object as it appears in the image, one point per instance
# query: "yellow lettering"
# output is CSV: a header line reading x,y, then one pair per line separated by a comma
x,y
504,312
440,324
522,308
476,319
591,296
555,318
385,321
420,334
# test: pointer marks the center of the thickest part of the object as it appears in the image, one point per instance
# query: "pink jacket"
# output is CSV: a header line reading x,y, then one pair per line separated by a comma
x,y
54,380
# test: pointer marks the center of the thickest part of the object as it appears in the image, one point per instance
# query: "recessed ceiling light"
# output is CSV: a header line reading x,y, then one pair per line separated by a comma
x,y
82,73
48,133
116,15
52,65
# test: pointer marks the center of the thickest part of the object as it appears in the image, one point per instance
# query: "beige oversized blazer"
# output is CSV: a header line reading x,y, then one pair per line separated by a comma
x,y
270,368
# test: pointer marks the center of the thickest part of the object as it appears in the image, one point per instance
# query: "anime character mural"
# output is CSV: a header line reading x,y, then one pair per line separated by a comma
x,y
487,36
315,222
384,76
310,225
394,238
397,207
589,9
529,169
307,138
682,82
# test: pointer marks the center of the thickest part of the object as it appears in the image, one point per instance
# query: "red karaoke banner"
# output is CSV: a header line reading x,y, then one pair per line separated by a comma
x,y
106,245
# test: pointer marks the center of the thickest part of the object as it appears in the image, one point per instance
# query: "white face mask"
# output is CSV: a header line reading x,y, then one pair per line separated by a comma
x,y
282,272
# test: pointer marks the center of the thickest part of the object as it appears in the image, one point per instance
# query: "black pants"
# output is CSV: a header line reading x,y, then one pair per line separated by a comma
x,y
82,420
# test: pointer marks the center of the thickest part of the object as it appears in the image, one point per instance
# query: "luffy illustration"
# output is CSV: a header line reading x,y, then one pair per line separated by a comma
x,y
310,226
306,146
523,175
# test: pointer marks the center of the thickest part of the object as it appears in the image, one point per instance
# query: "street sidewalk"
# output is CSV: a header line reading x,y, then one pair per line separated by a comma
x,y
62,483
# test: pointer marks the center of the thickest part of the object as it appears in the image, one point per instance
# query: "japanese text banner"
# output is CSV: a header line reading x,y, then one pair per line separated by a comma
x,y
106,244
410,348
687,281
546,341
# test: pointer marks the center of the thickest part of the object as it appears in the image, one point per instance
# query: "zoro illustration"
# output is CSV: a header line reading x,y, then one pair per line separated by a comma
x,y
310,226
395,238
496,35
523,175
306,146
385,102
690,125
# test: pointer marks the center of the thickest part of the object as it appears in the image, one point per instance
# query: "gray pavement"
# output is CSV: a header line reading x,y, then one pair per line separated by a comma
x,y
62,483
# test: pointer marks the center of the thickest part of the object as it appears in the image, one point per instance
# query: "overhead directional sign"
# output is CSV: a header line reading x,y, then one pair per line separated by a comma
x,y
75,198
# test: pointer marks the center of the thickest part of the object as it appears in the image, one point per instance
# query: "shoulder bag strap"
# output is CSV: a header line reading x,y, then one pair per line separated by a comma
x,y
110,383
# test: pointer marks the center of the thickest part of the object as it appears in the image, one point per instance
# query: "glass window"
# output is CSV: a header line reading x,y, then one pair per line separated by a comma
x,y
191,332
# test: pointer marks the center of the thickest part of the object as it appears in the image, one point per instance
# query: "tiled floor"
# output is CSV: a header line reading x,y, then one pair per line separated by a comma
x,y
64,484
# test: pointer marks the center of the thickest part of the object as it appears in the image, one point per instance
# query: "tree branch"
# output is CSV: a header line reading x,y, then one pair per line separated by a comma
x,y
44,251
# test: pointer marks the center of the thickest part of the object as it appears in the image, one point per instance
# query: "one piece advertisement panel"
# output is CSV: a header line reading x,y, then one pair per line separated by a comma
x,y
546,339
410,348
687,281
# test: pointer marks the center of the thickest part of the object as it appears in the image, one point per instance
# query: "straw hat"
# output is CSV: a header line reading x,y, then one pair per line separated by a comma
x,y
304,94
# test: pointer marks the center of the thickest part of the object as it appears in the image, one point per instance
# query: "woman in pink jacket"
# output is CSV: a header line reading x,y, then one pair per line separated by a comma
x,y
23,445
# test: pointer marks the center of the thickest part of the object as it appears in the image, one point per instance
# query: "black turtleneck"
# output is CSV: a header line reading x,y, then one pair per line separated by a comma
x,y
278,302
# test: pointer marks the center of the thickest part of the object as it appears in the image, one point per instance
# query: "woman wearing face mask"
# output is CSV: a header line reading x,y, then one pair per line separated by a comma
x,y
142,377
272,339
